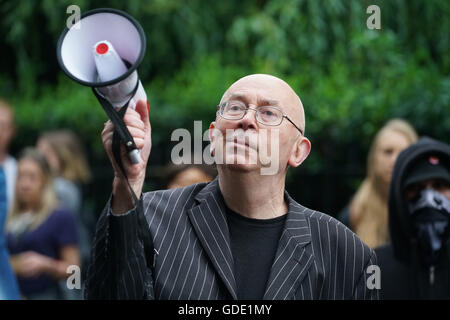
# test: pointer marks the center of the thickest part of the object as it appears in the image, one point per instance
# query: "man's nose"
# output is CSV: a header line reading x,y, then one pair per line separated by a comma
x,y
249,119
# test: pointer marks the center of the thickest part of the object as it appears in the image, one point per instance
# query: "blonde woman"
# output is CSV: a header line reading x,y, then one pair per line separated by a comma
x,y
66,156
368,212
42,239
67,160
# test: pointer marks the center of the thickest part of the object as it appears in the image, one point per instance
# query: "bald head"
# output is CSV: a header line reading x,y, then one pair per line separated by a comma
x,y
270,88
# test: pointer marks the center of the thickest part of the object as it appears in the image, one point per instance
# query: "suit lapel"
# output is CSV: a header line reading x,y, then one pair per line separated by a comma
x,y
293,257
209,221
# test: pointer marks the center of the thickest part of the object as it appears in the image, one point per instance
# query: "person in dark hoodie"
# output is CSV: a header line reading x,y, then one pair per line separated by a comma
x,y
416,263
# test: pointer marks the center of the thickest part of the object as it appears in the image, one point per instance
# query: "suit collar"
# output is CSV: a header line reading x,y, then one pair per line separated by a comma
x,y
210,223
292,259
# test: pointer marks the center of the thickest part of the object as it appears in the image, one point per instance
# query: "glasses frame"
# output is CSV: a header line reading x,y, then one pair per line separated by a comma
x,y
284,116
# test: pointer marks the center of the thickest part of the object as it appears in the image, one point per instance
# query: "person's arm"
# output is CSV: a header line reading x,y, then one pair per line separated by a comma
x,y
16,264
118,268
122,200
366,285
138,124
69,255
31,264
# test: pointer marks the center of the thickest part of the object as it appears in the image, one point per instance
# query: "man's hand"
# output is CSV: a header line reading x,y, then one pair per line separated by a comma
x,y
138,123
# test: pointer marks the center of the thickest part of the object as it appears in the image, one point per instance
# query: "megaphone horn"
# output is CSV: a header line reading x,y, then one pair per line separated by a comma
x,y
103,51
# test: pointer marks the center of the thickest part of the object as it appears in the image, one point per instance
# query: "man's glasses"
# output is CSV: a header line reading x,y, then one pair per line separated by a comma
x,y
266,115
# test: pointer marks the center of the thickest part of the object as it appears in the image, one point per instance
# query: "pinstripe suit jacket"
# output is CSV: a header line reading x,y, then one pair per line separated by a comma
x,y
317,256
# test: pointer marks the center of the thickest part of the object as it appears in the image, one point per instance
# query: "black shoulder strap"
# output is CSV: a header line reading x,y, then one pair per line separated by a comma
x,y
121,133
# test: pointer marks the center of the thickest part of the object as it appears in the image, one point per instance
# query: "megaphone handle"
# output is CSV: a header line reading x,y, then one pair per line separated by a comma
x,y
121,133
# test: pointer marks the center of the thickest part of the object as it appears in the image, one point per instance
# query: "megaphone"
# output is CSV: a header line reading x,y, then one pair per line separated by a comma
x,y
102,51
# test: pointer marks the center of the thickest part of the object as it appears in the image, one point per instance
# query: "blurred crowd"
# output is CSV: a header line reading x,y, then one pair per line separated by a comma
x,y
401,209
45,225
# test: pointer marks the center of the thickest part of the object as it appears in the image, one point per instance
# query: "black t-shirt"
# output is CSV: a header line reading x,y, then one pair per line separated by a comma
x,y
253,244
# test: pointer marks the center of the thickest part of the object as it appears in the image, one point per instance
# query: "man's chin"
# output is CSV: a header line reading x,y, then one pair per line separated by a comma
x,y
241,164
242,167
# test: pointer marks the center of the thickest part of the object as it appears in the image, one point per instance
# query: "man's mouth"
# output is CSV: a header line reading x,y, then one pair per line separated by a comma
x,y
242,143
245,144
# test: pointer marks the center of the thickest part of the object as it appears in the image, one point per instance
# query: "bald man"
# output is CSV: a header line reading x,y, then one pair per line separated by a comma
x,y
240,236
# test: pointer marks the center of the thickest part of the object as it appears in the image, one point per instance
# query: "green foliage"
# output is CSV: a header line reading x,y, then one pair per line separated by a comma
x,y
64,106
350,79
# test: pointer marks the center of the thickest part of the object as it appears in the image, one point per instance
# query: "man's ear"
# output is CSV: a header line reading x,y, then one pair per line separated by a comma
x,y
300,151
212,127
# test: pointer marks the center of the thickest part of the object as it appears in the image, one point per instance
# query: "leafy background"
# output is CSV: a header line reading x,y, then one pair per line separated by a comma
x,y
351,79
